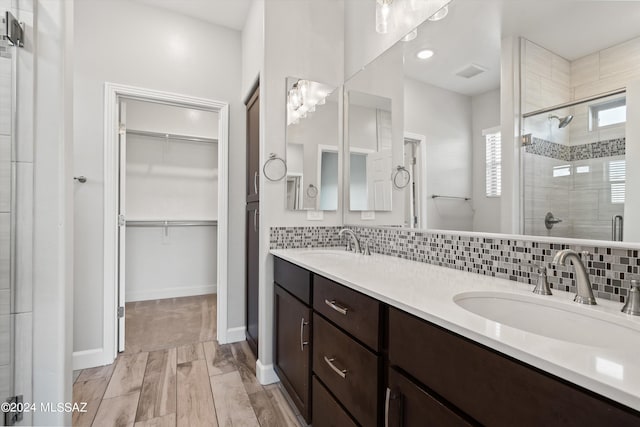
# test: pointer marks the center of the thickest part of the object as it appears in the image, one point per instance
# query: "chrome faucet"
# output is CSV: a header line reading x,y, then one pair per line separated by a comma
x,y
584,293
352,235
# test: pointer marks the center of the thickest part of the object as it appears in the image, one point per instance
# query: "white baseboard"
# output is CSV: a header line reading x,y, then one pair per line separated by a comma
x,y
236,334
266,374
170,293
90,358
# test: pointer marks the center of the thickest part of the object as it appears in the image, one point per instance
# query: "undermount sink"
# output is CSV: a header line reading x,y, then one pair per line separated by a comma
x,y
551,319
337,252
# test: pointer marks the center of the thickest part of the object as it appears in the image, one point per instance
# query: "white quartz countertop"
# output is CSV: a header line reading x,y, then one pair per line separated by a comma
x,y
428,291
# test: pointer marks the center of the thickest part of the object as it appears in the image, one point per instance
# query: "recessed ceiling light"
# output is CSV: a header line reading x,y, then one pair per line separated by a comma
x,y
410,36
441,14
425,54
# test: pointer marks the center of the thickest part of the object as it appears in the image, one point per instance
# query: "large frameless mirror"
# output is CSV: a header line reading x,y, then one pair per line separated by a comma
x,y
510,126
313,151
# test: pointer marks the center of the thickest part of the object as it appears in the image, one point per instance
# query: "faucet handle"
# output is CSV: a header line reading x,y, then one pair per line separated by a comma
x,y
542,287
366,248
632,306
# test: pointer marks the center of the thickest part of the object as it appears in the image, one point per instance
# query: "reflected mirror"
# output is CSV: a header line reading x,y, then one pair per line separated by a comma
x,y
534,70
370,155
312,146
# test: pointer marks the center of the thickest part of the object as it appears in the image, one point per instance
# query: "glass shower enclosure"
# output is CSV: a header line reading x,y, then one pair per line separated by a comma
x,y
573,169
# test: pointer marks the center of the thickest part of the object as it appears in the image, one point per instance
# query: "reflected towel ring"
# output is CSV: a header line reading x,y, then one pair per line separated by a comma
x,y
275,168
401,177
312,191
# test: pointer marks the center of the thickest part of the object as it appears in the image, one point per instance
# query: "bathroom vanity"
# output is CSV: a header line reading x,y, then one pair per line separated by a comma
x,y
377,340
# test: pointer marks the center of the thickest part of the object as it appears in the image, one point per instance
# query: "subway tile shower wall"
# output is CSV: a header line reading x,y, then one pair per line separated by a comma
x,y
610,269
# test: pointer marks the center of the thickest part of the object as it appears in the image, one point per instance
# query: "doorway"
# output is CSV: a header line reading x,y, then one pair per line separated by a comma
x,y
166,191
415,160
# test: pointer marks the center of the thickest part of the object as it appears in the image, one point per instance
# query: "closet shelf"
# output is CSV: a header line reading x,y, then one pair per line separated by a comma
x,y
171,136
176,223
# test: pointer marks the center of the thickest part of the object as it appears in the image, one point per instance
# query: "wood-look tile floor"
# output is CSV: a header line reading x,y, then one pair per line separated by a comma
x,y
174,373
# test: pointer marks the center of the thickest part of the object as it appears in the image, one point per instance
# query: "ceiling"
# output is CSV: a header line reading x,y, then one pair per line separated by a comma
x,y
228,13
472,31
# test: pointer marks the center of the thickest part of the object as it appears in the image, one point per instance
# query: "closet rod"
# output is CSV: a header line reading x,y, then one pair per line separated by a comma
x,y
170,223
171,136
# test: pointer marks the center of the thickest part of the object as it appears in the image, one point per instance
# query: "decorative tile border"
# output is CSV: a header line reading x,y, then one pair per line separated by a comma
x,y
545,148
595,150
570,153
610,269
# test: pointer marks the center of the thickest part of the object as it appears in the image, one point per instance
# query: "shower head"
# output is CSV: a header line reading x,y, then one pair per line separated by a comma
x,y
564,121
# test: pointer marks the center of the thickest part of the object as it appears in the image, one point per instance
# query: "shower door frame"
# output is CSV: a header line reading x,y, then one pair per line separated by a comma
x,y
113,92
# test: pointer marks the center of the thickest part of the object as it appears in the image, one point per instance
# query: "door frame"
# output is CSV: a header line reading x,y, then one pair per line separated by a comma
x,y
421,155
112,93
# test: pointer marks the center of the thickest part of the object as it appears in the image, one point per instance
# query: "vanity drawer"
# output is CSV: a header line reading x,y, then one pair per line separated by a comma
x,y
334,352
492,388
326,411
294,279
408,405
354,312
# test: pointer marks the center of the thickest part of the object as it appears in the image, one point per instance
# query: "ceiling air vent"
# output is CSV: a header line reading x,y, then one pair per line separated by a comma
x,y
471,70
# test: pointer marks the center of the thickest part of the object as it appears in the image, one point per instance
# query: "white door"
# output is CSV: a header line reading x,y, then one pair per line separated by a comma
x,y
379,180
122,227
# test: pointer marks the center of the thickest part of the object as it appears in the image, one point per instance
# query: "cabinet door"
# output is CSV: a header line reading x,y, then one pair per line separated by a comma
x,y
253,216
292,349
253,147
409,405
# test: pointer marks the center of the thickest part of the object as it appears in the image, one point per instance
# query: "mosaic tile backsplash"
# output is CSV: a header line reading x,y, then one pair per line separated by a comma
x,y
570,153
610,269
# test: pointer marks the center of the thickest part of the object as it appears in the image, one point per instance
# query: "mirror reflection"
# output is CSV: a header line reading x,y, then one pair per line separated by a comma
x,y
370,155
312,146
510,126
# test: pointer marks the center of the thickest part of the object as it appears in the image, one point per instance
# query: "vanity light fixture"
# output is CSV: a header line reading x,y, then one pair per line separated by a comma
x,y
383,16
439,15
425,54
302,99
410,36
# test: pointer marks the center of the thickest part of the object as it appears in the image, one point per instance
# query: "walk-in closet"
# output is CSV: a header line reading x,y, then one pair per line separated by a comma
x,y
169,207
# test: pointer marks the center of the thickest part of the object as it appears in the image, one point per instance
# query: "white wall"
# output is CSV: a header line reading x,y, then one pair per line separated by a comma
x,y
309,46
362,44
170,53
53,274
444,118
252,45
171,262
485,113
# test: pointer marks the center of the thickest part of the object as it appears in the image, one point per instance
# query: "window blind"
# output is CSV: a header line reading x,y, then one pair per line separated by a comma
x,y
493,162
617,177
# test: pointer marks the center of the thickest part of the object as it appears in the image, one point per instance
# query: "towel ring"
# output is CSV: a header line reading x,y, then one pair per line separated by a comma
x,y
401,177
274,173
312,191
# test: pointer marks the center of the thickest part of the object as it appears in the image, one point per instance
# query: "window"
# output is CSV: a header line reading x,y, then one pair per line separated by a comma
x,y
493,162
608,113
564,170
617,177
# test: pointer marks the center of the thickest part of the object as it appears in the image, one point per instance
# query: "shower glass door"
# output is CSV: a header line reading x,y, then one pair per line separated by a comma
x,y
574,169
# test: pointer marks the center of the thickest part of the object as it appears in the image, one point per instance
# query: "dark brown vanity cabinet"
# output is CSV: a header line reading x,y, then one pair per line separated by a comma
x,y
489,387
376,365
293,337
408,404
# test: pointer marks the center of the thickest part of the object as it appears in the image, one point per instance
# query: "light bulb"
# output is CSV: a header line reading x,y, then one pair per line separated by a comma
x,y
441,14
383,16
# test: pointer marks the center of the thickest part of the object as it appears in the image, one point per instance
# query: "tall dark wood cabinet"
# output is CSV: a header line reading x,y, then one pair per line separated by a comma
x,y
253,253
253,147
253,218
